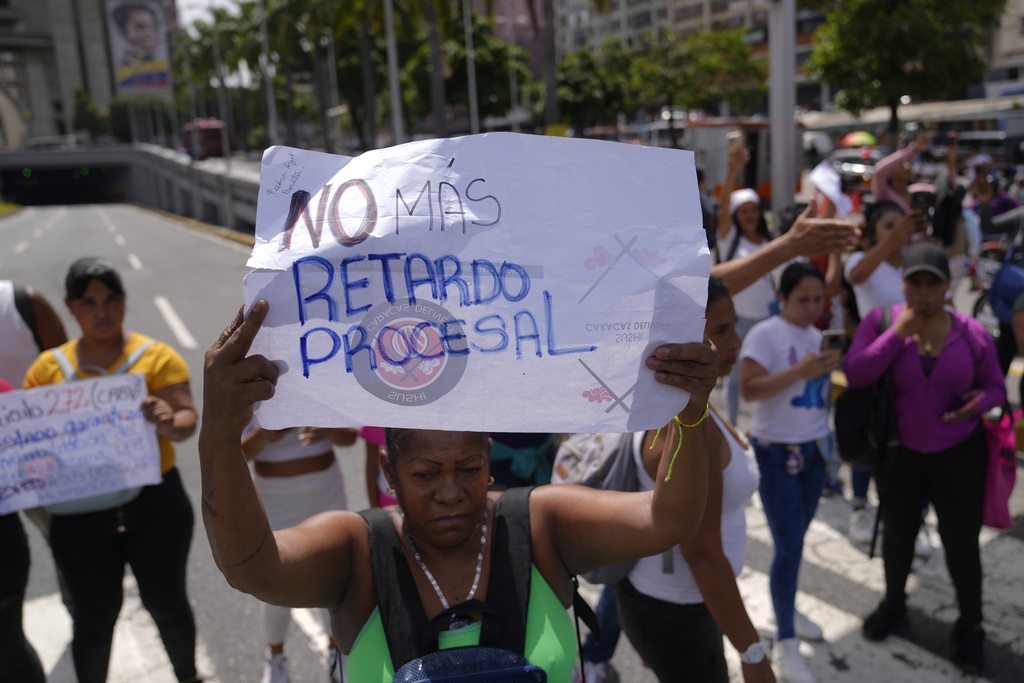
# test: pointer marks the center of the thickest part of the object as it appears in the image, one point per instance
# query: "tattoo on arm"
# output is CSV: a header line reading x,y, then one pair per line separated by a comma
x,y
254,553
208,505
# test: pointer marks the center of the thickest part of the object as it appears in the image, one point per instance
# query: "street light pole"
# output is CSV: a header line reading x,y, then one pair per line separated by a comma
x,y
332,74
782,101
397,129
474,110
268,83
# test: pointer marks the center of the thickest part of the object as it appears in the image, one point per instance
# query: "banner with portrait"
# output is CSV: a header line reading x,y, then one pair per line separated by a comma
x,y
138,46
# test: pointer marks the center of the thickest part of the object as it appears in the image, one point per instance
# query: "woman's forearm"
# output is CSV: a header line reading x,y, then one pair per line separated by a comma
x,y
680,488
765,386
714,577
236,524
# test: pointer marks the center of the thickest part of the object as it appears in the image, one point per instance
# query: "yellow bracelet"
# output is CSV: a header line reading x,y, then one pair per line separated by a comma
x,y
697,423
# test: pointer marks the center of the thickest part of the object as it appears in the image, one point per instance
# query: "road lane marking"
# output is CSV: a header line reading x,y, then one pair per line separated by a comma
x,y
119,240
181,333
37,233
20,246
134,262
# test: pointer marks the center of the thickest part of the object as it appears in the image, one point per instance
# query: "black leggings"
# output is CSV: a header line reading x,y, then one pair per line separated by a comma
x,y
19,662
954,481
152,534
678,642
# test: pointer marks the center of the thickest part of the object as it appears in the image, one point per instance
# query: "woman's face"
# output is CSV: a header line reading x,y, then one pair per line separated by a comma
x,y
925,293
885,224
748,215
804,305
440,481
720,327
99,312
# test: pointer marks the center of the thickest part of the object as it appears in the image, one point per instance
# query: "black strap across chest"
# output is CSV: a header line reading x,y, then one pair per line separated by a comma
x,y
408,632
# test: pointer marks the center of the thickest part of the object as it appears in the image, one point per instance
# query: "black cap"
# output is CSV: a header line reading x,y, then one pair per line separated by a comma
x,y
927,258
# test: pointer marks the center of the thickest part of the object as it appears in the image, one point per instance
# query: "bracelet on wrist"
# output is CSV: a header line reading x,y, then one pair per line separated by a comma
x,y
703,417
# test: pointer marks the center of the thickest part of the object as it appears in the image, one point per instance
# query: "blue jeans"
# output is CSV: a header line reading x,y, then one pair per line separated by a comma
x,y
790,502
860,479
732,386
599,650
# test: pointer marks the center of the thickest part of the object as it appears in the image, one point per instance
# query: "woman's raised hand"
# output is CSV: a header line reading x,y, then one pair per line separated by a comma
x,y
691,367
233,382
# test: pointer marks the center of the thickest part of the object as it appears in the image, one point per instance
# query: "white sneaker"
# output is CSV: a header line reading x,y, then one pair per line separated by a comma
x,y
275,670
790,665
806,629
923,544
862,525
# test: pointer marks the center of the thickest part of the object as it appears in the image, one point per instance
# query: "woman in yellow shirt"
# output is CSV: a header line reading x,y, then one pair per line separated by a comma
x,y
149,528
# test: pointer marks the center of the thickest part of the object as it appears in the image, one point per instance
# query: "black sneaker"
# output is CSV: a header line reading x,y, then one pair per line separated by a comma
x,y
967,643
884,620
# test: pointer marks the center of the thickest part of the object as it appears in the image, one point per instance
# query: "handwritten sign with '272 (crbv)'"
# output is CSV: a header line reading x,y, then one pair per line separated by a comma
x,y
496,282
74,440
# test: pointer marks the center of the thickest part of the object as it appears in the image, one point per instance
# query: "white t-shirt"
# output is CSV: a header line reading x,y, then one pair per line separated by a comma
x,y
739,481
884,287
753,302
798,413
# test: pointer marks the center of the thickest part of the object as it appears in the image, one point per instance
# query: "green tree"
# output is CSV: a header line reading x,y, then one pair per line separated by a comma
x,y
878,51
594,86
698,71
88,117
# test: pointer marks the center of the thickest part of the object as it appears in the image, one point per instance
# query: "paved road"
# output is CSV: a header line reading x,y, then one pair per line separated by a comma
x,y
184,285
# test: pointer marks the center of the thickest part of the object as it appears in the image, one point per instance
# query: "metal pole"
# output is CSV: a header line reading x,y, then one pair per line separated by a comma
x,y
332,88
268,83
513,78
397,128
474,110
782,101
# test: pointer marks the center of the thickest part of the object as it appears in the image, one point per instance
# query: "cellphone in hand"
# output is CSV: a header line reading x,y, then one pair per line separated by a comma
x,y
735,137
972,403
833,340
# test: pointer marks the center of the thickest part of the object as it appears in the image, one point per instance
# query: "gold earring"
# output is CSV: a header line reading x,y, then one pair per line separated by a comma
x,y
490,481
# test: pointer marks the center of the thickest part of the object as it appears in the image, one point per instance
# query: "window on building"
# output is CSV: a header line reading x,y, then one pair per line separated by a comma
x,y
691,11
719,6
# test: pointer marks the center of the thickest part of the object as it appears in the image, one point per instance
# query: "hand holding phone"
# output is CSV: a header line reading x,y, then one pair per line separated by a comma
x,y
967,409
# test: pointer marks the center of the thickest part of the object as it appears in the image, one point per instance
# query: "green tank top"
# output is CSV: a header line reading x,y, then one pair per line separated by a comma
x,y
550,639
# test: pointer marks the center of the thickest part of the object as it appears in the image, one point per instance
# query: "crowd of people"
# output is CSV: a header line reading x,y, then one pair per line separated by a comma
x,y
467,545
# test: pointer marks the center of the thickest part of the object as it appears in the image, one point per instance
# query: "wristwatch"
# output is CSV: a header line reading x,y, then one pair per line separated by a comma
x,y
754,655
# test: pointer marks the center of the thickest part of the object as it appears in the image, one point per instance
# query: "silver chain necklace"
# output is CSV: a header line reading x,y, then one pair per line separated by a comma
x,y
457,620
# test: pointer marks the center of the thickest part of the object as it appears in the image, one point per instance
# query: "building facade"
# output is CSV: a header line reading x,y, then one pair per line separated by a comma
x,y
580,26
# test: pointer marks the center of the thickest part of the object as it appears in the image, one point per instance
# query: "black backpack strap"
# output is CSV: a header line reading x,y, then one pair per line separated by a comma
x,y
23,302
401,610
508,589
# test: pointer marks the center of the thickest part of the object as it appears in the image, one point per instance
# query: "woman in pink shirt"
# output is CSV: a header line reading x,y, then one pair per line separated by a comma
x,y
892,178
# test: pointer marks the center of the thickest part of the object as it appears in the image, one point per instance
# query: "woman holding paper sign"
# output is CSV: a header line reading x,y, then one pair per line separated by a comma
x,y
449,538
149,528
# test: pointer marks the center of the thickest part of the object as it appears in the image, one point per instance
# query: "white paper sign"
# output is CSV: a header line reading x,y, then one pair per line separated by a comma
x,y
496,282
68,441
827,180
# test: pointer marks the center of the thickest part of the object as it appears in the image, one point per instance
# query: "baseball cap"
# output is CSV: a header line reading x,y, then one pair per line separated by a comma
x,y
927,258
740,197
87,268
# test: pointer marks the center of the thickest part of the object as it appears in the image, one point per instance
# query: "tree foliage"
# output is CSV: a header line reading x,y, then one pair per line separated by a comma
x,y
876,51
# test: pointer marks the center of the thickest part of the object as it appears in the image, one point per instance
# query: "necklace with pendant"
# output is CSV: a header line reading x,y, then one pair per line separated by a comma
x,y
458,621
927,346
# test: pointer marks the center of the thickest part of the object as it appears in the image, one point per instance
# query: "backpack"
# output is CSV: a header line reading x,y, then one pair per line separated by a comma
x,y
601,461
413,641
865,426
